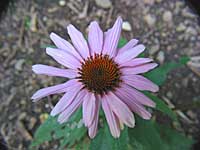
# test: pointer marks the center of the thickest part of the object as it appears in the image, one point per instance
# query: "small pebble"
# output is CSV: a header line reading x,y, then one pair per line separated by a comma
x,y
181,27
167,16
23,102
191,31
43,117
185,82
161,57
169,94
154,49
33,25
22,115
103,3
186,13
19,64
191,114
158,1
150,20
150,2
62,3
32,122
126,26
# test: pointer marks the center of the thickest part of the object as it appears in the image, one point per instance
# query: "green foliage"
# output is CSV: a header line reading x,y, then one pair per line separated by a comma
x,y
172,139
183,60
43,133
105,141
45,46
161,106
122,42
27,22
67,133
159,75
148,135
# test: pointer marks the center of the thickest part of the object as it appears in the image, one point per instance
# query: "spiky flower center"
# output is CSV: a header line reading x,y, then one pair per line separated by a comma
x,y
99,74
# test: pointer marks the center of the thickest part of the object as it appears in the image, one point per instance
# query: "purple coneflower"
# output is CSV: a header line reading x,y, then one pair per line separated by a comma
x,y
99,74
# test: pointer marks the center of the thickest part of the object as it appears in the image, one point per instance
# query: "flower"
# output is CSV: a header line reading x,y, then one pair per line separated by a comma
x,y
99,74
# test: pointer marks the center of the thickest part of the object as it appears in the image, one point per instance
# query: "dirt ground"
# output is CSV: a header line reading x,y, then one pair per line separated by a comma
x,y
168,28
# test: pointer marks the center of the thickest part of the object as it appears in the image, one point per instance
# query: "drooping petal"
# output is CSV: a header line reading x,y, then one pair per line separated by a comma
x,y
133,105
110,117
139,82
86,97
66,100
128,46
64,58
64,45
52,90
112,38
137,96
121,110
78,41
64,116
89,106
138,69
92,130
129,54
95,38
53,71
136,62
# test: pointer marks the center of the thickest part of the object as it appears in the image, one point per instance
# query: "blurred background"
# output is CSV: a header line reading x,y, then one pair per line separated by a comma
x,y
169,29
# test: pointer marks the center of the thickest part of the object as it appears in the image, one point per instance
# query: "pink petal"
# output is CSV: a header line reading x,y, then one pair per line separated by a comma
x,y
64,45
95,38
64,116
92,130
89,103
137,96
112,38
63,58
136,62
121,110
129,54
133,105
138,69
66,100
139,82
53,71
128,46
78,41
110,117
52,90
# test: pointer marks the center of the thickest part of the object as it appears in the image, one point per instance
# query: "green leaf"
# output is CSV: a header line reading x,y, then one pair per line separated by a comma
x,y
67,133
147,135
122,42
45,46
159,75
174,139
71,135
161,106
105,141
183,60
83,144
27,22
44,132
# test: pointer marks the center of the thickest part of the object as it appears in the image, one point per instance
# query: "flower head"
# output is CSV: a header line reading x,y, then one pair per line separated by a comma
x,y
99,74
